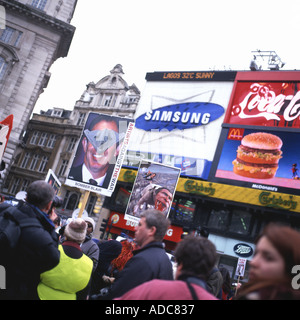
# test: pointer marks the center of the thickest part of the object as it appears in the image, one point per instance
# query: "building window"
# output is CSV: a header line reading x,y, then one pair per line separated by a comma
x,y
43,164
35,137
43,139
11,36
71,201
39,4
34,162
25,185
240,222
72,144
7,34
51,141
56,113
122,197
218,219
63,167
91,204
25,160
81,119
3,67
107,101
15,186
183,211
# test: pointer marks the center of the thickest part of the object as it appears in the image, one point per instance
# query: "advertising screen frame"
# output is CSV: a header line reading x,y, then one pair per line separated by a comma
x,y
228,148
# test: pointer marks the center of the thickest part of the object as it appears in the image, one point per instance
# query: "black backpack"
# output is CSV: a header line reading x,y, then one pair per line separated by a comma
x,y
12,220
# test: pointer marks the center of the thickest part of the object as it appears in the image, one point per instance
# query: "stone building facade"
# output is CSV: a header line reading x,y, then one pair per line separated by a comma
x,y
52,137
35,34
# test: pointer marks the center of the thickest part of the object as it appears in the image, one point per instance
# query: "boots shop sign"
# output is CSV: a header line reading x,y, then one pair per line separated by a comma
x,y
243,250
275,104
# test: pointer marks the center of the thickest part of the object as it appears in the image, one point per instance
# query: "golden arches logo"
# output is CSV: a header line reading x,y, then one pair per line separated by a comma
x,y
235,134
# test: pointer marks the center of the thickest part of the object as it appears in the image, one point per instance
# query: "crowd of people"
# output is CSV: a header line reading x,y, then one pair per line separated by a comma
x,y
66,263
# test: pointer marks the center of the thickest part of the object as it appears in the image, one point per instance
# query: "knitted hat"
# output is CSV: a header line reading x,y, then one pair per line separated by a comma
x,y
91,221
76,230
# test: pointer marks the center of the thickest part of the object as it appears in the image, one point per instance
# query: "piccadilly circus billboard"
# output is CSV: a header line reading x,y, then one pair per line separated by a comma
x,y
178,123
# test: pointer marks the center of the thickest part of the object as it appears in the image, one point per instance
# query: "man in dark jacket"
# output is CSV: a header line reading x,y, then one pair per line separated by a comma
x,y
37,248
150,261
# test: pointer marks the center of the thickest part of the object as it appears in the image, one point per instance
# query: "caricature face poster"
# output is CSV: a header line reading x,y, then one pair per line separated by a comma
x,y
154,188
100,153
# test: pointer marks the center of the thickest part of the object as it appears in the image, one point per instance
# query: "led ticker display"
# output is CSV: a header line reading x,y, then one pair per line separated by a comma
x,y
259,159
192,76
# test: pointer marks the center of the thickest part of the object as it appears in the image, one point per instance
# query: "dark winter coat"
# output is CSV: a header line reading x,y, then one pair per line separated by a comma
x,y
148,263
36,252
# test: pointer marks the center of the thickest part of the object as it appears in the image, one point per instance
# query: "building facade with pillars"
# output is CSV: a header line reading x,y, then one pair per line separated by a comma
x,y
35,35
52,138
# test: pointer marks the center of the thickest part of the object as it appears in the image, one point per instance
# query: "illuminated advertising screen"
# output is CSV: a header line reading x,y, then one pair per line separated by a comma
x,y
272,104
179,119
258,158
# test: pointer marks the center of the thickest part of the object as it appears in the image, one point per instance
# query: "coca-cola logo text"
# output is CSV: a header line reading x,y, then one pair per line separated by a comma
x,y
263,102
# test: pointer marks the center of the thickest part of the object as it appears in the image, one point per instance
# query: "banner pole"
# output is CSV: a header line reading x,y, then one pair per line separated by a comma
x,y
83,204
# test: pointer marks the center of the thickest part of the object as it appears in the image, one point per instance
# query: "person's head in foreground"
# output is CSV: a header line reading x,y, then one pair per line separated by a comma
x,y
152,226
277,252
195,256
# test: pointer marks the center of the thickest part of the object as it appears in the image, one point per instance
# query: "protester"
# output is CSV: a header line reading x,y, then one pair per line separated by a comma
x,y
215,280
36,251
118,264
226,287
150,261
270,277
108,251
215,283
196,257
89,246
70,279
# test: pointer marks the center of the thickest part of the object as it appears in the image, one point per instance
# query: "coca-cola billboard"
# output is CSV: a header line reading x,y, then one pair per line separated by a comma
x,y
275,104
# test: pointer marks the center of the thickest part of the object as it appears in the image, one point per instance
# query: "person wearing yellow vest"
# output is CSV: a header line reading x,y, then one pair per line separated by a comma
x,y
70,279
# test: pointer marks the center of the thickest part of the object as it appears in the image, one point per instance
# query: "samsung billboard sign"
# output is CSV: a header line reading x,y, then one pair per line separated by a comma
x,y
180,116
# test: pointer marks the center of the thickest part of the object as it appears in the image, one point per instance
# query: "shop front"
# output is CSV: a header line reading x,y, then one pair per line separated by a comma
x,y
228,186
233,216
117,225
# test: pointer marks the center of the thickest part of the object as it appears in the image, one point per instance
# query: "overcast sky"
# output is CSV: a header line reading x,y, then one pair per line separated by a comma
x,y
169,35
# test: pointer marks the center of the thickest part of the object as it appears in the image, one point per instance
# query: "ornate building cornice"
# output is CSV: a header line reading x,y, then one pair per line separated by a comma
x,y
38,16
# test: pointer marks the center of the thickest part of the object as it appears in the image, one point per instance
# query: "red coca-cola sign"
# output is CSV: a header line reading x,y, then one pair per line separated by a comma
x,y
275,104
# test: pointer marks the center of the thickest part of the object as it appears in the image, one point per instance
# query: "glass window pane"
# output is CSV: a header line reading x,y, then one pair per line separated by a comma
x,y
122,197
218,219
184,211
240,222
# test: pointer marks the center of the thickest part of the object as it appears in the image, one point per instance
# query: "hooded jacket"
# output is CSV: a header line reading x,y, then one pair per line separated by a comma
x,y
36,252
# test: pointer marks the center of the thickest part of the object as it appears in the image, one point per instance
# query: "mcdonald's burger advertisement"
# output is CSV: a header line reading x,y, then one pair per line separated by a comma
x,y
259,159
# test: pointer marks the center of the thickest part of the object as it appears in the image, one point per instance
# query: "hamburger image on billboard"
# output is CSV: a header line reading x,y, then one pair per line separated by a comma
x,y
258,156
